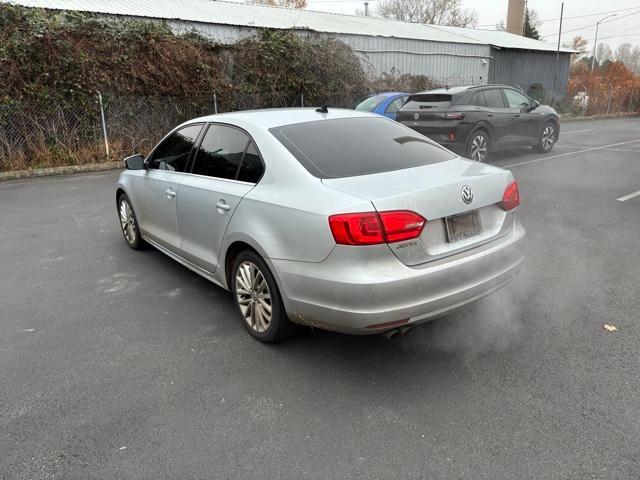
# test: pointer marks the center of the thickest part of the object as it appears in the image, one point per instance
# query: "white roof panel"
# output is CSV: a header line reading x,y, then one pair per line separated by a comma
x,y
259,16
503,39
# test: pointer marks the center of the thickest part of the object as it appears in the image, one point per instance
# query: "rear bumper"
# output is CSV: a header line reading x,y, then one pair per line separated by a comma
x,y
347,293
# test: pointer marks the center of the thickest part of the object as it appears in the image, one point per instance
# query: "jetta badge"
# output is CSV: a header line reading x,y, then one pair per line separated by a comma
x,y
467,194
416,116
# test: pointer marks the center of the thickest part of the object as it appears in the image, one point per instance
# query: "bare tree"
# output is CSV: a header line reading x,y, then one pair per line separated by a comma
x,y
580,44
281,3
629,55
603,53
434,12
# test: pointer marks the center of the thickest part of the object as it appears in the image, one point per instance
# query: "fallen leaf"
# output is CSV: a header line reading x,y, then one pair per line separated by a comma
x,y
610,328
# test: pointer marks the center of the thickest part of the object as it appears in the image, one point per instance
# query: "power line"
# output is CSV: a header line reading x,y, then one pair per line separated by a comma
x,y
570,18
592,25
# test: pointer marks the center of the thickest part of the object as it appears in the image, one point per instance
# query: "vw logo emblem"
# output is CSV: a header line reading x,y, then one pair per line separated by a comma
x,y
467,194
416,116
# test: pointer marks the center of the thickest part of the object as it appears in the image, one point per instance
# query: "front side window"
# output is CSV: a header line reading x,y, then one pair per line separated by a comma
x,y
347,147
515,99
173,152
494,98
220,152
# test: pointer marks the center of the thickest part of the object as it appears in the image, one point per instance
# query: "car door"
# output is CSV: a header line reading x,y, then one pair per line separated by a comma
x,y
499,117
225,168
157,190
525,122
394,106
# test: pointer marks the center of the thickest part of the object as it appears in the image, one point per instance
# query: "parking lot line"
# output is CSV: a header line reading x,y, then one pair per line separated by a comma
x,y
575,131
590,149
629,197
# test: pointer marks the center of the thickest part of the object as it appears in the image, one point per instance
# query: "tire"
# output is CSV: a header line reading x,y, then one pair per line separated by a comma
x,y
255,291
478,146
129,224
547,137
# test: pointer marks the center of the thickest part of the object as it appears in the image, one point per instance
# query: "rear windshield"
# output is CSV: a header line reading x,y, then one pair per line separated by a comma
x,y
347,147
369,104
422,101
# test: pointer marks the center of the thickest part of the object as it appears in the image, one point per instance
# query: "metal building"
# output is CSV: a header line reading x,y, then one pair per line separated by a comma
x,y
452,56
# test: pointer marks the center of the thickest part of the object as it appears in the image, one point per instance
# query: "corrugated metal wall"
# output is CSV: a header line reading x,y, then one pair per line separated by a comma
x,y
524,68
449,63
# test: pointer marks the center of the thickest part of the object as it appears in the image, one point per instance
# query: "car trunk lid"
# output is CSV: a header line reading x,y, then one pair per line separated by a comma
x,y
436,192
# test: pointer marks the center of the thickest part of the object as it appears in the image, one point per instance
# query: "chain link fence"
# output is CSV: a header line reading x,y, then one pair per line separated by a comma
x,y
52,133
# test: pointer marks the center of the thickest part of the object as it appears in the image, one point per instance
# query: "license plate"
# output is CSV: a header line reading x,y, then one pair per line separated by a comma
x,y
463,226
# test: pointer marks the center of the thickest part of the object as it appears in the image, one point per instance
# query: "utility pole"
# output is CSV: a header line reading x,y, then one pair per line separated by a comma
x,y
555,74
595,43
366,9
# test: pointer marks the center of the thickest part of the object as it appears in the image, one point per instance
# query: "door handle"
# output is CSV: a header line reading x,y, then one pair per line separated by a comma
x,y
170,193
222,206
517,115
489,114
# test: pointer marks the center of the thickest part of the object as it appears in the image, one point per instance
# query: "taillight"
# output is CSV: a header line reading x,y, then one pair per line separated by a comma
x,y
511,197
453,116
371,228
399,225
356,228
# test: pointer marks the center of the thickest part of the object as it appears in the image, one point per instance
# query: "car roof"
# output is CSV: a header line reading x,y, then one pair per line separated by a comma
x,y
277,117
390,94
463,89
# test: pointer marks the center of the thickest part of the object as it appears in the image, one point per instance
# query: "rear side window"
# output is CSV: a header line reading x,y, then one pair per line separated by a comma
x,y
251,168
220,152
428,100
478,100
173,152
347,147
370,104
494,98
396,104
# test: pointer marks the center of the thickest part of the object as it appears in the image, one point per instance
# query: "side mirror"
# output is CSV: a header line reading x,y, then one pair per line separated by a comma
x,y
134,162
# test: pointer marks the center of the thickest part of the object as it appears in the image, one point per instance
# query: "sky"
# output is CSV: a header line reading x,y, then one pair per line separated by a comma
x,y
490,12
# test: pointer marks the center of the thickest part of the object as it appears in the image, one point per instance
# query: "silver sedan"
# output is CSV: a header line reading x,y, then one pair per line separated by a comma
x,y
335,219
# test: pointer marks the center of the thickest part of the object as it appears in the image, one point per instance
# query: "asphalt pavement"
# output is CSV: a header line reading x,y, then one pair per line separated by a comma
x,y
124,364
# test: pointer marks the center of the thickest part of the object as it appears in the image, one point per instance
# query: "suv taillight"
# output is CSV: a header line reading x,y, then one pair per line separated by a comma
x,y
453,116
371,228
511,197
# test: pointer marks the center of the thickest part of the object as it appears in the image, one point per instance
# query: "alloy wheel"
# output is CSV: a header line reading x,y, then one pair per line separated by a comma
x,y
253,296
479,148
128,222
548,136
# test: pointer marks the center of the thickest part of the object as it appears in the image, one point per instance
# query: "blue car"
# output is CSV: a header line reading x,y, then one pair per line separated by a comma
x,y
387,103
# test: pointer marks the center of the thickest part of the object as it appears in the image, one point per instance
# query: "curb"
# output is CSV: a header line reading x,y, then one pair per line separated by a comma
x,y
598,117
45,172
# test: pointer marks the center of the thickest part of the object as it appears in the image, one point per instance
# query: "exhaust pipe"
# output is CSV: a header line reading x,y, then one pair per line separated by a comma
x,y
389,334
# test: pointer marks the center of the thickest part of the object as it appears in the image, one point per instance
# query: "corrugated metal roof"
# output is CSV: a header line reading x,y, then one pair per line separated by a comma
x,y
259,16
503,39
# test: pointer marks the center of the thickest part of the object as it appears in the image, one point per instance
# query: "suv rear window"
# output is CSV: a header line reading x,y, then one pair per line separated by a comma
x,y
428,100
348,147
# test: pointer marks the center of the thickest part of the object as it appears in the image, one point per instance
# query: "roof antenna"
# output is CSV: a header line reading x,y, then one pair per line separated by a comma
x,y
323,109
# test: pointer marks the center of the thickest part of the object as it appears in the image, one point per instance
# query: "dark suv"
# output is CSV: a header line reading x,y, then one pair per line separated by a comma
x,y
473,121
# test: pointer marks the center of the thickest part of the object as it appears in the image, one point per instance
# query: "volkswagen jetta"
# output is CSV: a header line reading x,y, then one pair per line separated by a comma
x,y
337,219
